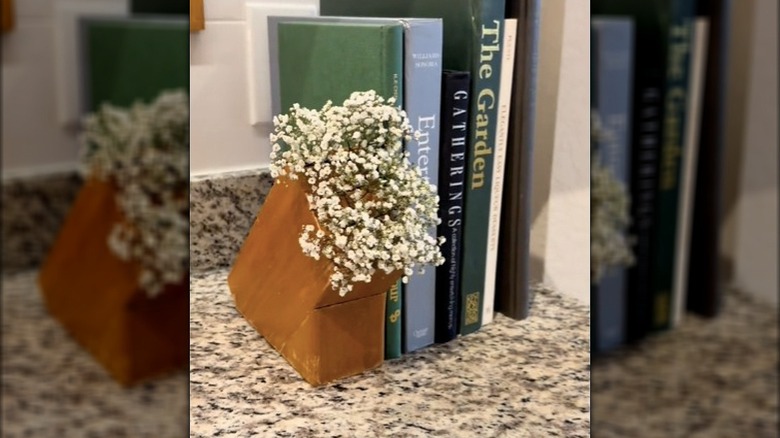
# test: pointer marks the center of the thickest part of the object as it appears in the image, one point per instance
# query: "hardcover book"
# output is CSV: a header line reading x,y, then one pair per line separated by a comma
x,y
705,284
512,294
127,59
423,40
452,176
678,53
688,173
473,31
502,131
393,322
309,63
612,45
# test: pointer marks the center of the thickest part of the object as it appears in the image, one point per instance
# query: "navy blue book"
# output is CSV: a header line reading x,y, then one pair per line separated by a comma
x,y
455,102
612,45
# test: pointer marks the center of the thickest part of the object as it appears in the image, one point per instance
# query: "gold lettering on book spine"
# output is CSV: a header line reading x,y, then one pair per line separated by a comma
x,y
473,308
485,102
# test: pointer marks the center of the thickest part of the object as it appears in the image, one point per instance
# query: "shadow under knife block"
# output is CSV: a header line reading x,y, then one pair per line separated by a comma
x,y
97,298
287,297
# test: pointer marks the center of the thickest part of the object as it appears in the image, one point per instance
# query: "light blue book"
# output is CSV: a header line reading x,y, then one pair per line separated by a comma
x,y
613,46
423,43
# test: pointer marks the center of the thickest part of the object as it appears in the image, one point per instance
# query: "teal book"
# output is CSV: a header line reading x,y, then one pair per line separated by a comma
x,y
130,59
473,34
316,61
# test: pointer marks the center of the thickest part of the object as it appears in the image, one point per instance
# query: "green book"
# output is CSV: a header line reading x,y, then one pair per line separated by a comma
x,y
393,332
130,59
316,61
679,40
313,62
473,33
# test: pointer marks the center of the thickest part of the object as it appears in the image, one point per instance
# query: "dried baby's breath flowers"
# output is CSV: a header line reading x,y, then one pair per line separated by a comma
x,y
610,244
143,150
374,209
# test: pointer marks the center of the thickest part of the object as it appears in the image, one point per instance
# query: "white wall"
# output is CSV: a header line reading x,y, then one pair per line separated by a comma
x,y
560,232
35,140
755,257
222,137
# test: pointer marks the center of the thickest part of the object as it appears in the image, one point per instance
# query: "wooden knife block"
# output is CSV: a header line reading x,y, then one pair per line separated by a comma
x,y
287,297
96,296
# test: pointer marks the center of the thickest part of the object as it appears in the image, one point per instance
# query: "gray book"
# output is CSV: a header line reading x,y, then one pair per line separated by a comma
x,y
613,48
423,42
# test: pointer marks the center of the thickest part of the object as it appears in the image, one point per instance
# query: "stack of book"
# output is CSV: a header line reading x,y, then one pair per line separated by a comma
x,y
658,74
464,71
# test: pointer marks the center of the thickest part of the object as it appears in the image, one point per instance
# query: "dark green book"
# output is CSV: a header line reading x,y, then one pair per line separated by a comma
x,y
393,332
127,59
313,62
680,30
473,33
174,7
681,14
316,61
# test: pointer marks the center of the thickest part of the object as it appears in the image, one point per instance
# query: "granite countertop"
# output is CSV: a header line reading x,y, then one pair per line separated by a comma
x,y
707,378
525,378
53,388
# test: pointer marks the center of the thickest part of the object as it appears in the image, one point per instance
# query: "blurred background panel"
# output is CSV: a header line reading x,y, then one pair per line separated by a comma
x,y
712,369
62,59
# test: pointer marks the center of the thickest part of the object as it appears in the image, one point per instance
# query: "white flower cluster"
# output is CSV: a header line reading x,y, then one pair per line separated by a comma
x,y
144,151
610,243
374,209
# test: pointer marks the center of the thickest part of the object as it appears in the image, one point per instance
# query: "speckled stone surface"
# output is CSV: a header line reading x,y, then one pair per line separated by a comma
x,y
53,388
706,378
510,379
32,213
222,209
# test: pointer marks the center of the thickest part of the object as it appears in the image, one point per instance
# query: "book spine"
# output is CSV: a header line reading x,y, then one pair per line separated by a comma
x,y
679,42
393,64
502,128
486,69
393,322
452,172
513,294
690,158
422,101
705,284
613,49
